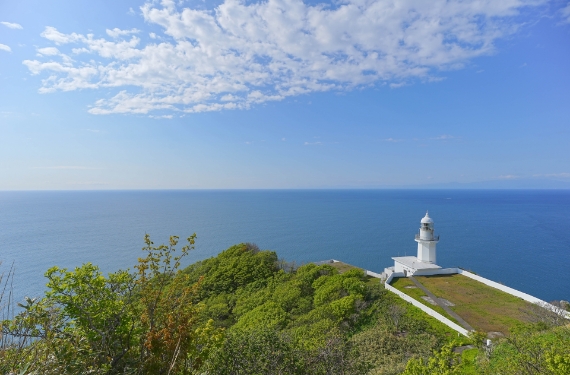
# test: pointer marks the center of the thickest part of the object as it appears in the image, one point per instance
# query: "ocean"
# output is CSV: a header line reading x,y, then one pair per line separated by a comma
x,y
520,238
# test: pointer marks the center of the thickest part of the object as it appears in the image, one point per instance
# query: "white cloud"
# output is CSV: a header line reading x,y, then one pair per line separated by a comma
x,y
240,54
508,177
566,13
169,117
443,137
392,140
397,85
48,51
4,47
313,143
12,25
554,175
116,32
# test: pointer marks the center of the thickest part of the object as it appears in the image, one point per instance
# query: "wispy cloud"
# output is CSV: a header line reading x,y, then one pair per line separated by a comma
x,y
443,137
554,175
48,51
169,117
317,143
116,32
396,85
565,12
508,177
393,140
12,25
244,53
4,47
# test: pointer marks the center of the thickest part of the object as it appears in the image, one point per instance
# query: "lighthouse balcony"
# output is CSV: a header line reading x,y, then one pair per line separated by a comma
x,y
435,238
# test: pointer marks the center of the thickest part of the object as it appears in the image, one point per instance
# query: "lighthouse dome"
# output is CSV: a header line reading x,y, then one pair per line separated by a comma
x,y
427,219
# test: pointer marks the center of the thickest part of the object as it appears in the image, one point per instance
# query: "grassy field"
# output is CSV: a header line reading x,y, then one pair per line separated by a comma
x,y
486,309
416,293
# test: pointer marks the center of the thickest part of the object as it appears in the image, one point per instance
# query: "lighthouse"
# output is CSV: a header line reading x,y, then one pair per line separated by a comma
x,y
426,240
424,262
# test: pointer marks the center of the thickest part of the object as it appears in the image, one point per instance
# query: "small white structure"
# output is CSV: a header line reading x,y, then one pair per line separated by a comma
x,y
426,240
424,262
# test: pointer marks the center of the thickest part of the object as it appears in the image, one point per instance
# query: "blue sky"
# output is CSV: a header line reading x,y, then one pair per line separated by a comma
x,y
284,94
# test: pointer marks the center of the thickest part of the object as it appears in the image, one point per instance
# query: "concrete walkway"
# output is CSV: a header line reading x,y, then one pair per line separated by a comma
x,y
451,313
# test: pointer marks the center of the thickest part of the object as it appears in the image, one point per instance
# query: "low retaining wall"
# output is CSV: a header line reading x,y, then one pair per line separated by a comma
x,y
373,274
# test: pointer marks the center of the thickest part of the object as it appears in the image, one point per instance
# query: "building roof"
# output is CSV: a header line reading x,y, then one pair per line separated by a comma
x,y
415,263
427,219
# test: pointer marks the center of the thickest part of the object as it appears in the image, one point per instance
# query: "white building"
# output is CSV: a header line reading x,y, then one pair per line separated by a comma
x,y
424,262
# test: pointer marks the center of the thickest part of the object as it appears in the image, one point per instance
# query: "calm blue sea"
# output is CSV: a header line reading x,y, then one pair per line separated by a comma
x,y
519,238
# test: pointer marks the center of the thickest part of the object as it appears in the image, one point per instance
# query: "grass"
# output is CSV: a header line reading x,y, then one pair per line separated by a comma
x,y
401,283
468,359
486,309
434,326
343,267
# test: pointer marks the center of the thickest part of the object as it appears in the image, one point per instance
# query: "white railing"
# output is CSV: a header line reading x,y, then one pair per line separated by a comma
x,y
435,238
373,274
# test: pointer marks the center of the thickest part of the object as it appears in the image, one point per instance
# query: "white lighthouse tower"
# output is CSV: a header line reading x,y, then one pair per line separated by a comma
x,y
424,263
426,241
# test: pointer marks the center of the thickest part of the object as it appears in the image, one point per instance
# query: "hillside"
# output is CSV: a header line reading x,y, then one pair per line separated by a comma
x,y
246,312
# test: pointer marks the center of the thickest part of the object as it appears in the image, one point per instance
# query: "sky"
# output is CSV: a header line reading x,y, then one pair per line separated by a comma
x,y
284,94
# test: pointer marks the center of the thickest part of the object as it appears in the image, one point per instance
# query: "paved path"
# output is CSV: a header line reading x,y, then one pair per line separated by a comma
x,y
452,313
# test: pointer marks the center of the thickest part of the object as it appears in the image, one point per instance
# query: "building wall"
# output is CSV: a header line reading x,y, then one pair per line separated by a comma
x,y
399,267
426,251
439,271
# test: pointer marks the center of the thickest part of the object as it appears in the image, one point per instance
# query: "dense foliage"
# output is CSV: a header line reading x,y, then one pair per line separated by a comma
x,y
246,312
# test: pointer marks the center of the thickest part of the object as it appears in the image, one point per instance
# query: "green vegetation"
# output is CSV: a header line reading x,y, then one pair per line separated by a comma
x,y
530,349
245,312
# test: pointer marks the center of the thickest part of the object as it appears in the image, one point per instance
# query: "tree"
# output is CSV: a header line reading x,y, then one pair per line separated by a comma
x,y
127,323
443,362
